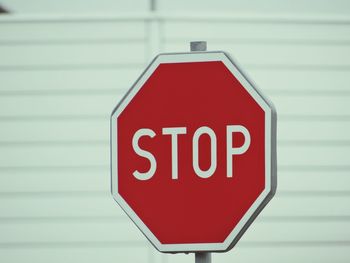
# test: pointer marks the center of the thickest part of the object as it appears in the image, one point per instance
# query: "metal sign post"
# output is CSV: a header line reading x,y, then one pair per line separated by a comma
x,y
200,257
198,46
203,257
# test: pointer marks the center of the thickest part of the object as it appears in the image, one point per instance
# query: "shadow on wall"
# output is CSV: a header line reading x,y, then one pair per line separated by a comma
x,y
3,10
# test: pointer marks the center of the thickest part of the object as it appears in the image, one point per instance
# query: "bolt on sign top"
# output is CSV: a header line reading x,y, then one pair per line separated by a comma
x,y
193,152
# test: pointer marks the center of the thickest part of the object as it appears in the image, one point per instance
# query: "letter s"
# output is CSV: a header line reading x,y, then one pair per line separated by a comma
x,y
143,153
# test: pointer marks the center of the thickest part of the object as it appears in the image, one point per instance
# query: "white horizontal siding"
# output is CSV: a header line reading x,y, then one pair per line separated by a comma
x,y
60,81
125,231
275,7
265,31
67,55
46,180
42,32
95,153
69,80
75,6
51,130
275,252
102,105
71,253
276,54
102,79
86,205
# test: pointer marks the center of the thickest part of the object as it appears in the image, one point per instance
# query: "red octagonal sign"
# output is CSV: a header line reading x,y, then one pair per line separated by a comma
x,y
193,152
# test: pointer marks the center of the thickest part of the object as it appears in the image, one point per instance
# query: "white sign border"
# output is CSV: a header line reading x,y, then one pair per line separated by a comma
x,y
270,152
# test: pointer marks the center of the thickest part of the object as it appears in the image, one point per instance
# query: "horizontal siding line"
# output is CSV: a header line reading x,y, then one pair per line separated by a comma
x,y
70,92
115,91
54,194
264,67
301,243
124,218
70,67
106,168
140,66
308,193
180,17
89,41
313,93
84,193
75,142
289,67
38,19
246,41
66,143
263,218
281,117
258,19
263,41
308,118
296,117
312,168
99,118
114,244
89,167
66,219
313,143
73,245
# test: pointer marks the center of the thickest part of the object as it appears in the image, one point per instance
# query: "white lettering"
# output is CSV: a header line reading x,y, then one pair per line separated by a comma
x,y
174,132
230,150
143,153
199,132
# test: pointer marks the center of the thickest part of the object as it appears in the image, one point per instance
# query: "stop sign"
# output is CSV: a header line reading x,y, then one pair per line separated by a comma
x,y
193,152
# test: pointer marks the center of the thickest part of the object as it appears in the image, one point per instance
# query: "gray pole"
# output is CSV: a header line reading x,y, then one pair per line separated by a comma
x,y
200,257
198,46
